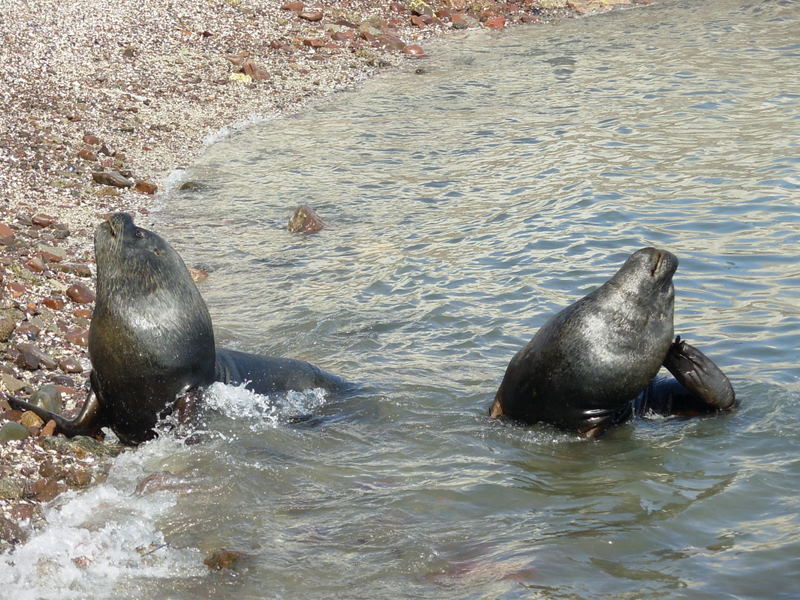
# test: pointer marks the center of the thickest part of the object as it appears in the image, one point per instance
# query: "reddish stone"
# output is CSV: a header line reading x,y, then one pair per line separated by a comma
x,y
414,51
45,489
6,231
83,313
43,220
417,20
345,23
87,154
79,337
70,365
145,187
293,6
315,42
278,45
254,71
526,18
49,256
310,15
80,293
35,265
92,140
398,7
498,22
305,220
392,41
459,21
53,303
16,289
223,559
48,429
341,36
444,13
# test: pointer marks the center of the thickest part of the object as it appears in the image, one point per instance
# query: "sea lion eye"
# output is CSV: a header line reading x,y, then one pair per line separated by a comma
x,y
139,234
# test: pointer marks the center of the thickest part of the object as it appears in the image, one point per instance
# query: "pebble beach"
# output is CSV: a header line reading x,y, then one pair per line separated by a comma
x,y
98,105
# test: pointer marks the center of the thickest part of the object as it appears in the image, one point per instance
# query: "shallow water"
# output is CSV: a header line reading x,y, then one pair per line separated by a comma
x,y
466,205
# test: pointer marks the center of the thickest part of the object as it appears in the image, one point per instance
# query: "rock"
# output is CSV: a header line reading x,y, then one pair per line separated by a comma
x,y
52,253
498,22
43,220
48,397
83,313
420,8
45,489
7,327
30,419
80,293
82,445
198,275
79,269
35,265
418,21
70,364
305,220
32,357
342,36
112,178
293,6
79,478
16,288
192,186
11,431
7,232
145,187
87,154
392,41
54,303
251,69
224,559
414,51
91,140
311,15
11,532
48,429
12,384
79,337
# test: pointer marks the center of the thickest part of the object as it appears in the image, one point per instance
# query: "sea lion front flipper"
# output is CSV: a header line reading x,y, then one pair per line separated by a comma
x,y
705,381
88,422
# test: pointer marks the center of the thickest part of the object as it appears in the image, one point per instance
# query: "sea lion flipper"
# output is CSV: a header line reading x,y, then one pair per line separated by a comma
x,y
706,382
88,422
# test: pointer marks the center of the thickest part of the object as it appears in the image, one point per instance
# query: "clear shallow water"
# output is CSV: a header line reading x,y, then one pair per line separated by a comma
x,y
466,205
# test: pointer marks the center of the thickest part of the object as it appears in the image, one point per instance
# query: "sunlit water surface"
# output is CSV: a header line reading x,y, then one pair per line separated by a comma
x,y
465,205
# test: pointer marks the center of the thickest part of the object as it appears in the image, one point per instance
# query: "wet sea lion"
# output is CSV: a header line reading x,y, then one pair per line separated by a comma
x,y
585,367
151,340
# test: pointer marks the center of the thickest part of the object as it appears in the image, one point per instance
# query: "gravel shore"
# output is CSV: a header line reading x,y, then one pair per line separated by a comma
x,y
99,102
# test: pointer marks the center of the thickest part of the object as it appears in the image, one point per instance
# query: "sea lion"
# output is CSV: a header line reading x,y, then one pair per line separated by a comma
x,y
151,340
587,364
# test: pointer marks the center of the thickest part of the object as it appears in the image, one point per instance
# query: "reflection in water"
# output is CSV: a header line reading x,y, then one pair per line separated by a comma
x,y
465,206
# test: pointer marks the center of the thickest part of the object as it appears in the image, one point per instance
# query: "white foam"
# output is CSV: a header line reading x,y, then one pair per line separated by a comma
x,y
96,539
259,411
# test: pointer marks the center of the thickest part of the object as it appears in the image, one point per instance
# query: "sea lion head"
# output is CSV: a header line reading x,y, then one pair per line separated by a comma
x,y
647,274
135,258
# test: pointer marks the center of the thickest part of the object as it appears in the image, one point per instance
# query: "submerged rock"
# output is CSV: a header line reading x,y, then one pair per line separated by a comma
x,y
224,559
305,220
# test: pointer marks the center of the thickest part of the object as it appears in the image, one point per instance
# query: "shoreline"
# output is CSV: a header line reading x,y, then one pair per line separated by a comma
x,y
99,108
